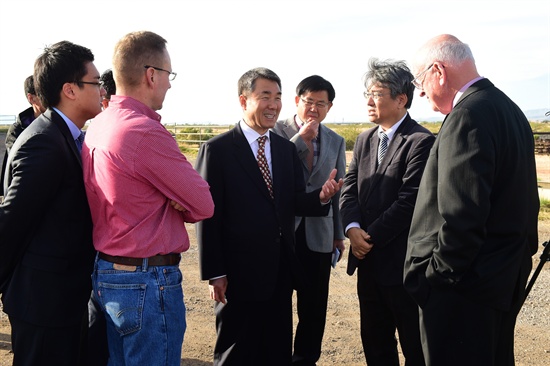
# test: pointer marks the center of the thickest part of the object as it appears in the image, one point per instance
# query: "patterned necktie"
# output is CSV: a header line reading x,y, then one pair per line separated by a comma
x,y
79,141
262,164
383,146
309,158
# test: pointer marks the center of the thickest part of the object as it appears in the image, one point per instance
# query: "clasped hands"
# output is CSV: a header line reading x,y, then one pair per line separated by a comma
x,y
360,242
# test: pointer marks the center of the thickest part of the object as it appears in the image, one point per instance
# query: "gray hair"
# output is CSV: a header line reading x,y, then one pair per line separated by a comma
x,y
394,75
451,52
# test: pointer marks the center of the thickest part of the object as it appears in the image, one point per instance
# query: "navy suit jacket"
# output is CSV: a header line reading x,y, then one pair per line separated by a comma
x,y
249,231
46,249
382,198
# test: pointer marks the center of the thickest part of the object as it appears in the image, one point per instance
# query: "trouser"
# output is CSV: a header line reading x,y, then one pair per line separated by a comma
x,y
144,310
35,345
383,310
252,333
311,301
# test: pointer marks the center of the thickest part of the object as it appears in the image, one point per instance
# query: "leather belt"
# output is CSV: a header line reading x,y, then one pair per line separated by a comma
x,y
158,260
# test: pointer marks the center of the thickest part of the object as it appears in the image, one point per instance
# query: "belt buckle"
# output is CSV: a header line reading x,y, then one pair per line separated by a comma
x,y
123,267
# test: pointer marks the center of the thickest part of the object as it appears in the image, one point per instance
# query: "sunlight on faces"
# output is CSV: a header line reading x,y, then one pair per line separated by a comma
x,y
262,107
163,79
90,95
313,106
381,108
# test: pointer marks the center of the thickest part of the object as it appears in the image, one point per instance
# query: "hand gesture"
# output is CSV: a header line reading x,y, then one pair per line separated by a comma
x,y
330,187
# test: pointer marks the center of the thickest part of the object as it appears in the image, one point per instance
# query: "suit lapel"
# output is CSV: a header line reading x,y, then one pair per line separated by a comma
x,y
325,143
290,128
60,123
394,146
245,157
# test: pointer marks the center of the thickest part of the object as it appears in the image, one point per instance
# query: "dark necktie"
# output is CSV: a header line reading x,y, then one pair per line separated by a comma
x,y
383,146
262,164
79,141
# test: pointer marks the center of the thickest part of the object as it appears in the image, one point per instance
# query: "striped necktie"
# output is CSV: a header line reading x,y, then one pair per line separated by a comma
x,y
382,146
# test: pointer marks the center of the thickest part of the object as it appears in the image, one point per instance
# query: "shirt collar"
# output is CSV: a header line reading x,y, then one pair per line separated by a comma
x,y
249,133
75,131
391,131
463,89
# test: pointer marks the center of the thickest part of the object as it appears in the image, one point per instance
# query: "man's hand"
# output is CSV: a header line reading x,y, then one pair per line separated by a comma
x,y
339,244
330,187
309,130
177,206
360,242
217,289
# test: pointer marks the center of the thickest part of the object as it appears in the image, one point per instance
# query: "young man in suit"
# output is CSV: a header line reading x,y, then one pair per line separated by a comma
x,y
247,247
377,203
320,150
474,227
24,119
45,225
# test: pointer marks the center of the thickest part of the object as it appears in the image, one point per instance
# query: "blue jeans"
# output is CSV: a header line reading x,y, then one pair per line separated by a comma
x,y
144,310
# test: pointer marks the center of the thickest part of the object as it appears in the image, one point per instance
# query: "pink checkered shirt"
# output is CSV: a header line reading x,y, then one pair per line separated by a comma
x,y
133,168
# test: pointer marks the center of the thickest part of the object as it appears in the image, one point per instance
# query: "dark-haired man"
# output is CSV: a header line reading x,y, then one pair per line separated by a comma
x,y
46,251
320,150
23,120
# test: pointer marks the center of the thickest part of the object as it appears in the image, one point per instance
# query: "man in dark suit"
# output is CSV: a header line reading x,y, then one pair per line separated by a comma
x,y
24,119
474,227
377,203
317,238
247,247
45,225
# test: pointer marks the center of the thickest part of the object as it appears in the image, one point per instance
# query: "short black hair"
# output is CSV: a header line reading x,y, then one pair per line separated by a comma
x,y
315,83
29,86
60,63
108,83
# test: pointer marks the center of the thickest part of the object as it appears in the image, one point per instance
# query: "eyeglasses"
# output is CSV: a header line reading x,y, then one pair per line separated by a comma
x,y
373,95
416,82
99,84
311,103
171,75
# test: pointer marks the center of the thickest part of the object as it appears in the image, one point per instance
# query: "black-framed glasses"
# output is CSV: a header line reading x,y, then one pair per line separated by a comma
x,y
373,95
310,103
417,82
99,84
171,75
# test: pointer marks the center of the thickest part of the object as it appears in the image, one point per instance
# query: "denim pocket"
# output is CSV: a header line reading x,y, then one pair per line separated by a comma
x,y
124,304
172,276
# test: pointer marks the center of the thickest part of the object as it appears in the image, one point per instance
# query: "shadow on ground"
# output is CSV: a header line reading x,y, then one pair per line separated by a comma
x,y
194,362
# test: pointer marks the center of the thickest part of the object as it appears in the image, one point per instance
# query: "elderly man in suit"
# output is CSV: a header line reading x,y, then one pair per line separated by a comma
x,y
377,203
320,149
474,227
247,247
45,224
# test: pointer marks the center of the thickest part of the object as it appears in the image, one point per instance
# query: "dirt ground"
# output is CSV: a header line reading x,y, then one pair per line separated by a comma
x,y
341,344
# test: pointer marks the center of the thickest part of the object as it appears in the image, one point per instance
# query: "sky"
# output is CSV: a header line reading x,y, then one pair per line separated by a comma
x,y
213,42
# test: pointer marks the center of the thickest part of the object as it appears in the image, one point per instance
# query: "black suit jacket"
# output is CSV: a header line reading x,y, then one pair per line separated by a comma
x,y
249,231
474,227
46,251
382,198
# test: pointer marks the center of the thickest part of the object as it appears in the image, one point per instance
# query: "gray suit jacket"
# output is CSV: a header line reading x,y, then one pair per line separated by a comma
x,y
320,231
